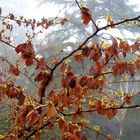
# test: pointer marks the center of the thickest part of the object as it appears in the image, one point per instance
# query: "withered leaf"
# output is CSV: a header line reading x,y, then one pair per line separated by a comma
x,y
83,81
86,15
14,70
41,64
86,51
137,64
32,117
72,83
78,57
37,135
135,47
51,110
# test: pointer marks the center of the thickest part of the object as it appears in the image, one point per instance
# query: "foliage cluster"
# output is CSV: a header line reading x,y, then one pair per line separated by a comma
x,y
67,101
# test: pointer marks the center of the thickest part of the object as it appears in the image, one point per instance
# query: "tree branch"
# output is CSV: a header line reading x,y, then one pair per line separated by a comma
x,y
93,110
79,48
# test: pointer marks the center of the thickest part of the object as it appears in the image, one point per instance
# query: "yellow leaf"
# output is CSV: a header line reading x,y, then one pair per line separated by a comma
x,y
109,17
1,137
126,78
67,61
119,93
96,128
106,46
138,38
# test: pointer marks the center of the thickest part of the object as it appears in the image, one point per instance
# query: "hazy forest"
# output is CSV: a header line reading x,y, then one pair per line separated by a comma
x,y
69,70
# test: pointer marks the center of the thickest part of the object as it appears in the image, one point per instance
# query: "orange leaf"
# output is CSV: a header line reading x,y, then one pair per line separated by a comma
x,y
41,64
78,57
91,83
75,118
131,69
137,64
27,52
42,76
128,99
29,61
83,81
14,70
51,110
96,53
1,95
61,123
111,51
111,113
124,46
86,52
109,137
112,24
11,137
119,68
54,62
95,70
32,117
135,47
37,135
86,15
63,68
98,106
21,98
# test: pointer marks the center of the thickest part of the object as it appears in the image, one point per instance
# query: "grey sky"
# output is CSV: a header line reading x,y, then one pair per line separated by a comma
x,y
31,8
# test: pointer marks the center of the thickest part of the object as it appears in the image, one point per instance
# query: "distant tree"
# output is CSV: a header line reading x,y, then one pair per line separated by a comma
x,y
100,9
